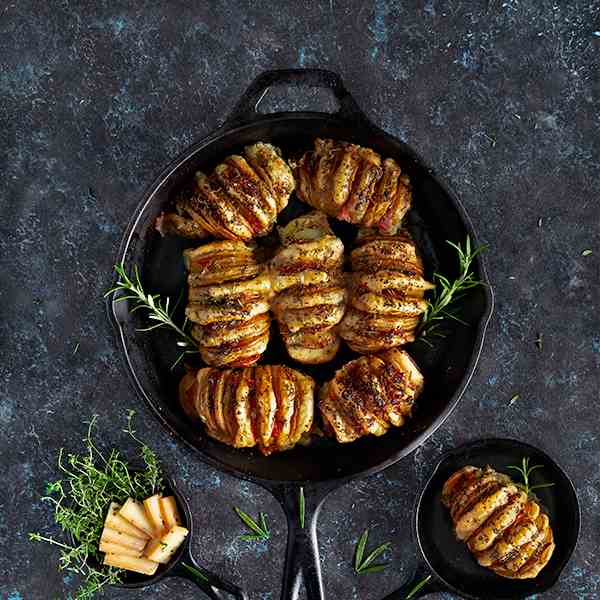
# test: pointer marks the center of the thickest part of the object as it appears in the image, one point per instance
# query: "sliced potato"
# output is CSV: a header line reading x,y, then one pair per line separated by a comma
x,y
168,544
131,563
135,513
111,548
111,536
169,512
152,506
115,521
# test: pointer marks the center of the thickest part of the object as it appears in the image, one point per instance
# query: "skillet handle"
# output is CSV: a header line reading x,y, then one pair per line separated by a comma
x,y
212,585
302,564
246,108
420,584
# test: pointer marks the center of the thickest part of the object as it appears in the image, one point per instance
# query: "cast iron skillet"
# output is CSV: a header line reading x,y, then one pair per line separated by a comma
x,y
449,560
183,564
448,366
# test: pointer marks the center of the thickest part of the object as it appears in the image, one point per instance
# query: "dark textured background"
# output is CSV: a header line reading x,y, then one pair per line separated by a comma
x,y
95,97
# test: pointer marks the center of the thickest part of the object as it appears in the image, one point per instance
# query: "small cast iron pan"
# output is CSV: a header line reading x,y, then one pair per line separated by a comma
x,y
453,567
183,564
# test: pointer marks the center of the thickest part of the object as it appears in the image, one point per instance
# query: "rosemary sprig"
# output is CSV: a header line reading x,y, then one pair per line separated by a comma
x,y
525,471
92,481
158,311
364,565
261,532
417,587
447,292
301,507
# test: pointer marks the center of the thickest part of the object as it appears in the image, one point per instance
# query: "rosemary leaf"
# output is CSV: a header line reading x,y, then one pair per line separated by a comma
x,y
301,506
375,554
261,532
360,549
514,399
587,252
365,565
525,471
417,587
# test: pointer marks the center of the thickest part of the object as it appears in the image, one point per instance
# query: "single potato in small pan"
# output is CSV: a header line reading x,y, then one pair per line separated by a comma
x,y
354,184
266,406
503,527
240,200
369,395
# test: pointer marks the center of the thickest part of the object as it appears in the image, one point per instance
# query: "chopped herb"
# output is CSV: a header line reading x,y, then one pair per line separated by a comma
x,y
539,342
132,289
92,481
364,565
417,587
301,506
539,222
587,252
76,348
514,399
525,471
261,532
448,292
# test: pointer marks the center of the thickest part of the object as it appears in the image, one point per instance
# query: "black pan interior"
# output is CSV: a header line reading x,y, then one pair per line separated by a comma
x,y
450,559
436,217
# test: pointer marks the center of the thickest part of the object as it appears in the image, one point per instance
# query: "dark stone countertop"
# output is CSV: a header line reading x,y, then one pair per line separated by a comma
x,y
95,97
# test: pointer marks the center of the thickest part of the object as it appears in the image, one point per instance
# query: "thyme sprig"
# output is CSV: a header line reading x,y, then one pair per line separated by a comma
x,y
92,481
446,292
261,531
160,312
525,471
364,565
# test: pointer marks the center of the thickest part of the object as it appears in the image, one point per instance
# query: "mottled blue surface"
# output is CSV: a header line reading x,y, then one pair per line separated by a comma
x,y
95,97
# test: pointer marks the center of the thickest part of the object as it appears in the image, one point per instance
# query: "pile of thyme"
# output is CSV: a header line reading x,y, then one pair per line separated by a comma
x,y
92,480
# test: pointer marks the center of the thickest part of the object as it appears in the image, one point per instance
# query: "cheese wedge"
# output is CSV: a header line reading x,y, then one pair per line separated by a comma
x,y
110,548
167,544
152,507
131,563
115,521
135,513
111,536
169,512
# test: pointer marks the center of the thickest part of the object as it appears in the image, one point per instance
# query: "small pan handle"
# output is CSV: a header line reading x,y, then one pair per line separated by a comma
x,y
302,505
246,108
420,584
212,585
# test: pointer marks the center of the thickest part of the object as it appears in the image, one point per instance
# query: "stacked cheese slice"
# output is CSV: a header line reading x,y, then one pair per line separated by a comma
x,y
139,536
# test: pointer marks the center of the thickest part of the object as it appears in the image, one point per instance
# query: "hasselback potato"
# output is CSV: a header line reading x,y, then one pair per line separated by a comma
x,y
387,288
266,406
504,529
369,395
228,303
354,184
307,279
239,200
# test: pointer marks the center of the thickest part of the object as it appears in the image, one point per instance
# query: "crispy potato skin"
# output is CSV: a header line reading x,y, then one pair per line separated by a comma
x,y
268,406
386,296
310,299
228,303
504,529
240,200
369,395
354,184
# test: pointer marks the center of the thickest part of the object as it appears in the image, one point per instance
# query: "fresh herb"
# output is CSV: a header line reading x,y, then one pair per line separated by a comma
x,y
194,571
76,348
92,481
448,292
261,532
301,506
587,252
364,565
417,587
525,470
514,399
539,223
539,342
159,311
